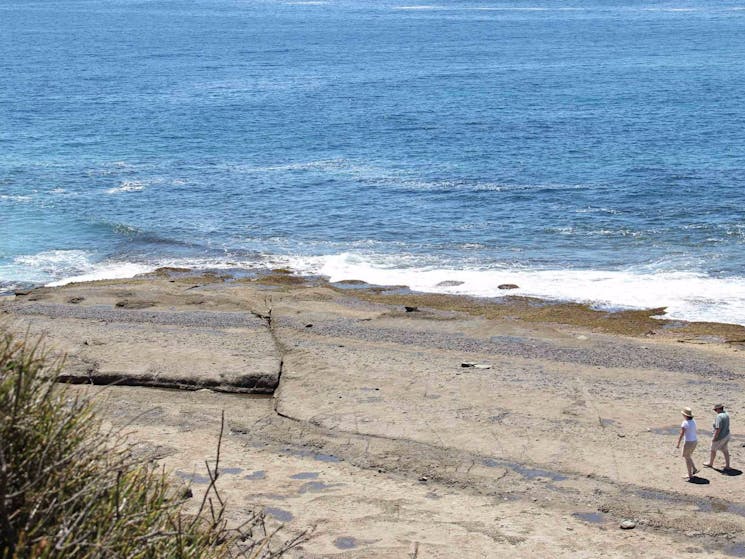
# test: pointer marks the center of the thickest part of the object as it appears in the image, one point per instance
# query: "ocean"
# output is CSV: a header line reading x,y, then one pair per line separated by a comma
x,y
585,150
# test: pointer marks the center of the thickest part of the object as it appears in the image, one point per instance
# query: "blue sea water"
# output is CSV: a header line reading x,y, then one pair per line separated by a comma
x,y
587,150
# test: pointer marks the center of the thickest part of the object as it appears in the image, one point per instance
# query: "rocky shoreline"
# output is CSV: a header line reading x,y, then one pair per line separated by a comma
x,y
349,408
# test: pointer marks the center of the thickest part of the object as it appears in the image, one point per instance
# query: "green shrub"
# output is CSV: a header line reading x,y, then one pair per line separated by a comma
x,y
69,489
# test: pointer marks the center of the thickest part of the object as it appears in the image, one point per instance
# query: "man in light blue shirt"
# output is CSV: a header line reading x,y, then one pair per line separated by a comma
x,y
721,437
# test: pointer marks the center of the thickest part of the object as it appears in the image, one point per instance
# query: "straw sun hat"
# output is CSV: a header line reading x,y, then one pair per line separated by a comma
x,y
687,412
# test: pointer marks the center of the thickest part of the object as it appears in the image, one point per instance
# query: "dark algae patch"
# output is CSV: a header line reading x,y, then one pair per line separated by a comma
x,y
590,517
192,478
525,471
735,550
280,514
314,455
305,475
345,542
315,487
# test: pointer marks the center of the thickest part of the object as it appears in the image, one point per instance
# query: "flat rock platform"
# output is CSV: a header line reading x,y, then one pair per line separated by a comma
x,y
401,425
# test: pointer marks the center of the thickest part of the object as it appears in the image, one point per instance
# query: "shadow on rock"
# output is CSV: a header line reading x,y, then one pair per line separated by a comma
x,y
699,480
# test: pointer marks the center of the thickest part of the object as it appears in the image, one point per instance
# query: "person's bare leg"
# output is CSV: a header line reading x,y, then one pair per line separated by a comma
x,y
725,451
711,459
689,465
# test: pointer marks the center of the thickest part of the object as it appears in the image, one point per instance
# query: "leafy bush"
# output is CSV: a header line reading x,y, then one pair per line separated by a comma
x,y
70,489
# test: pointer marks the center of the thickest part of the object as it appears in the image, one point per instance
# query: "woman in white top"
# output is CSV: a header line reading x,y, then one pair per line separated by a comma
x,y
688,430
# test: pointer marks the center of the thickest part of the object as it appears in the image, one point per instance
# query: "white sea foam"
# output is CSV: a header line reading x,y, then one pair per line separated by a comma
x,y
124,270
15,197
512,9
59,267
54,262
521,9
596,210
313,165
107,271
669,9
383,177
488,8
113,168
687,296
127,186
421,7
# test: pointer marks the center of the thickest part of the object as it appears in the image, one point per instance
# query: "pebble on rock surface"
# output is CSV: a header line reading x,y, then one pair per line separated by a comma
x,y
628,524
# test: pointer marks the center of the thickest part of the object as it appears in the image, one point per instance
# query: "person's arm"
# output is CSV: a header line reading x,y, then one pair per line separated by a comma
x,y
680,438
717,428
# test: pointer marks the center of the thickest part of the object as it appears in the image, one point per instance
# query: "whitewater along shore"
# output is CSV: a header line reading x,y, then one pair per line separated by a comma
x,y
402,424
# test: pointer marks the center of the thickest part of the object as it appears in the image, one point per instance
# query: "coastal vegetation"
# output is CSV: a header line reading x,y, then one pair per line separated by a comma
x,y
70,488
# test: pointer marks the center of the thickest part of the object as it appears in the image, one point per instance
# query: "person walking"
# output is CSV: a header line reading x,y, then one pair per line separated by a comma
x,y
688,432
720,438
